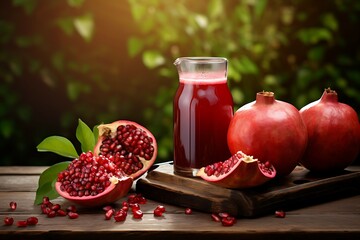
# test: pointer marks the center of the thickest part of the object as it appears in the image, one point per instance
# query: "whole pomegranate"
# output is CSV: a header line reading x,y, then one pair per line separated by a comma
x,y
333,133
271,131
129,145
239,171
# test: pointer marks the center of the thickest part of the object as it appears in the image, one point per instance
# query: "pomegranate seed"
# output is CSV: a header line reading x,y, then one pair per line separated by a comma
x,y
47,210
141,200
120,216
55,207
125,204
158,212
13,205
224,215
71,208
228,221
138,214
161,208
43,208
32,221
267,164
188,211
61,212
21,223
73,215
125,208
107,208
109,214
8,221
51,214
280,214
132,198
135,207
215,217
46,200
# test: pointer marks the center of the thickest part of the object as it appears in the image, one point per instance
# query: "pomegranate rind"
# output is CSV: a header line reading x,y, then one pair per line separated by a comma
x,y
110,195
110,129
246,173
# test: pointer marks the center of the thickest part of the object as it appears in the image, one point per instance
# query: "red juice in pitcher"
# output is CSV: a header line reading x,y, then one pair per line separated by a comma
x,y
203,108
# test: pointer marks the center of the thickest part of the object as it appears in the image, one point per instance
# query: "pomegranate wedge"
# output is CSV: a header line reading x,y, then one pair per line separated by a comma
x,y
239,171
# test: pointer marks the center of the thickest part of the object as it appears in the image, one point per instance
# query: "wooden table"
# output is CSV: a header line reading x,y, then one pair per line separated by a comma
x,y
338,219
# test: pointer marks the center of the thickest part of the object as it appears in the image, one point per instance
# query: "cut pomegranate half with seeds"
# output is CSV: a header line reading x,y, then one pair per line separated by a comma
x,y
92,181
239,171
129,145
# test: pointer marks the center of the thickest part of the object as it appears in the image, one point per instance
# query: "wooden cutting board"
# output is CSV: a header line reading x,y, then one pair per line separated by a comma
x,y
301,188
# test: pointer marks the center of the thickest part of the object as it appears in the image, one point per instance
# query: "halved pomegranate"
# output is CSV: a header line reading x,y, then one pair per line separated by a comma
x,y
239,171
130,146
92,181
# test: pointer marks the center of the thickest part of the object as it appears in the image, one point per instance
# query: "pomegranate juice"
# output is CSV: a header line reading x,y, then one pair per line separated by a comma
x,y
202,113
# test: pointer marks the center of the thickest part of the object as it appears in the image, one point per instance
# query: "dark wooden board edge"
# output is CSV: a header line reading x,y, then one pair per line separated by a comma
x,y
184,197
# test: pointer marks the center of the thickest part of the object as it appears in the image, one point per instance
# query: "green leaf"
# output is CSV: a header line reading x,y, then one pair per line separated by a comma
x,y
330,21
96,132
85,137
316,53
75,3
58,61
247,66
84,25
27,5
58,145
47,181
215,8
260,7
243,14
66,25
134,46
74,89
16,67
138,11
153,59
7,128
238,95
314,35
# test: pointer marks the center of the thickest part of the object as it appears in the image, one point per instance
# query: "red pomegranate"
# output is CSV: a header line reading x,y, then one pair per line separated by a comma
x,y
239,171
333,132
271,131
130,146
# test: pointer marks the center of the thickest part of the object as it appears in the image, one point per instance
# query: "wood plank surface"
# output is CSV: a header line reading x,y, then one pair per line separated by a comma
x,y
338,219
300,188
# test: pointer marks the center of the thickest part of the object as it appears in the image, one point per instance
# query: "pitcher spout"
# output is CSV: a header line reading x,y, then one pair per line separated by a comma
x,y
177,62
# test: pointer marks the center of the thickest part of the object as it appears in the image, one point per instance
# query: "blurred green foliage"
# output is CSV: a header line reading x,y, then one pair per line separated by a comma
x,y
64,60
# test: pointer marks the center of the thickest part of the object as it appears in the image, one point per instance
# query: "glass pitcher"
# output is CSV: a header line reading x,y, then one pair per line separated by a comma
x,y
203,108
